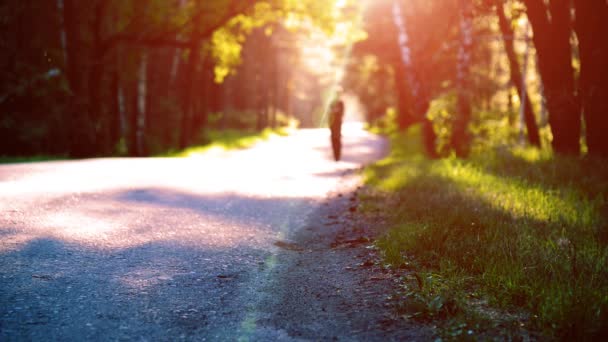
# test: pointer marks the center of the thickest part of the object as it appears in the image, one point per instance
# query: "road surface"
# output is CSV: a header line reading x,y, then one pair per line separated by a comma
x,y
163,248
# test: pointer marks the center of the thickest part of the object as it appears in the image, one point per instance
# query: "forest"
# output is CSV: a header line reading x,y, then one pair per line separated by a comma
x,y
141,77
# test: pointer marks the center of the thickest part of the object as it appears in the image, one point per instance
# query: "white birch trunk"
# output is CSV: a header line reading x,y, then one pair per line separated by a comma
x,y
404,48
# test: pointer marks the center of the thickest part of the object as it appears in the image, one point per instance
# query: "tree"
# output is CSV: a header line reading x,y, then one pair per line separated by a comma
x,y
592,31
460,139
552,31
423,78
516,76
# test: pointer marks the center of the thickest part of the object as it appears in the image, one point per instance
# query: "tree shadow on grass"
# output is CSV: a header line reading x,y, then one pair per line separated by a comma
x,y
583,182
471,240
588,175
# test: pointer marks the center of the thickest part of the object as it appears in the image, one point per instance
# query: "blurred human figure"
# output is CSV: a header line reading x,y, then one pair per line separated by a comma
x,y
336,115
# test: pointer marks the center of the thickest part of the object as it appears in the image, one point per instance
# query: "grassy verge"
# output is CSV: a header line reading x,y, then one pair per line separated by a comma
x,y
229,139
225,140
32,159
510,236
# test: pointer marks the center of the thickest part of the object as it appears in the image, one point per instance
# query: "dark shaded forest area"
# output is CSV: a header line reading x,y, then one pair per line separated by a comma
x,y
140,77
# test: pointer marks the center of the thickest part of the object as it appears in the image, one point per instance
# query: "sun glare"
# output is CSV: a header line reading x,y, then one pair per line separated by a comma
x,y
326,55
340,3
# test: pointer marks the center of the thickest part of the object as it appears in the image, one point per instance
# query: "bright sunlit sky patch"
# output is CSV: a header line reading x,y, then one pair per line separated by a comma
x,y
323,52
326,54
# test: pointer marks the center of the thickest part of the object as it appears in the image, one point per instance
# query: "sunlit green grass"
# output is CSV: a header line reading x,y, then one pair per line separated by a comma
x,y
229,139
218,139
519,229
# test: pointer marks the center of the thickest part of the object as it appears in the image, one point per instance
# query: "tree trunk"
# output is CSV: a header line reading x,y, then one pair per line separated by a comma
x,y
460,139
133,112
187,106
99,127
142,105
552,41
190,76
79,134
115,110
62,32
592,31
274,86
417,92
404,115
516,77
265,96
73,45
205,80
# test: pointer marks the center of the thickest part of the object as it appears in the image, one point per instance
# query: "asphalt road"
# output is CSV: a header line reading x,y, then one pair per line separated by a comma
x,y
161,248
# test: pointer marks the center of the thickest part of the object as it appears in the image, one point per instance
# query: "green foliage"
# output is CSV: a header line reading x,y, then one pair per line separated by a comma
x,y
518,227
371,81
226,42
385,124
441,112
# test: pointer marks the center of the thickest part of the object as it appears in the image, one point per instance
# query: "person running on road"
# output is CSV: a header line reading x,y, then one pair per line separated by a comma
x,y
336,115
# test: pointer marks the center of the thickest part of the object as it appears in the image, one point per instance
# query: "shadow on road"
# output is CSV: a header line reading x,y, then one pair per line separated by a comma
x,y
53,290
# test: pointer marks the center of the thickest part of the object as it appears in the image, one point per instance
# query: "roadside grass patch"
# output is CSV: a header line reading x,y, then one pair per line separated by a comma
x,y
514,229
228,140
32,159
214,139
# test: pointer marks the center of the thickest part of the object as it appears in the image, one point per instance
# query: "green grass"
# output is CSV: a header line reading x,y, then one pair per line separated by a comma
x,y
516,230
227,140
32,159
224,140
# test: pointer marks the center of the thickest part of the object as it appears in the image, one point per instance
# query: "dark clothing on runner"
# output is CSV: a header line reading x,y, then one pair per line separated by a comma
x,y
336,115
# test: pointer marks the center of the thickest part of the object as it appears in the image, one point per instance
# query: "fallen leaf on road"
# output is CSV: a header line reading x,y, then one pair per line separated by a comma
x,y
288,246
367,263
350,243
381,277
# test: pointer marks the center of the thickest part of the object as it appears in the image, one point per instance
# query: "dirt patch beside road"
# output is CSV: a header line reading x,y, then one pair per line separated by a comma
x,y
328,284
